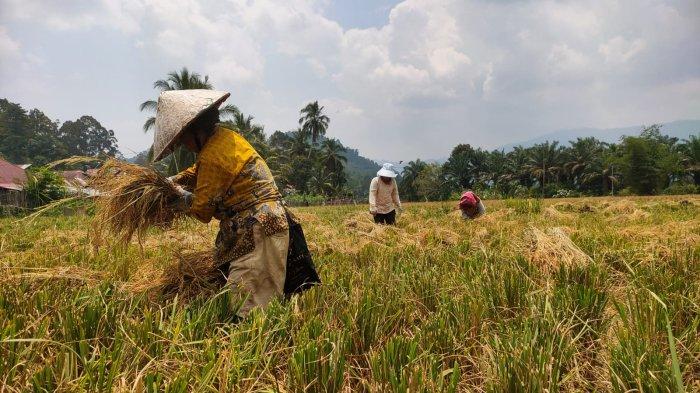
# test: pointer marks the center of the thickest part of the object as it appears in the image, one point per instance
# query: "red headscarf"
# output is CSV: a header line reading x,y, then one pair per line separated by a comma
x,y
468,199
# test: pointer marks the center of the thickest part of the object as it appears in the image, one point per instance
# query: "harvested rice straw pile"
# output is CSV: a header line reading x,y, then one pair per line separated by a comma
x,y
133,198
193,274
553,249
554,214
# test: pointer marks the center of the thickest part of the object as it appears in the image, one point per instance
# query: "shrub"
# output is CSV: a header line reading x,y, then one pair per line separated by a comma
x,y
44,186
304,199
681,189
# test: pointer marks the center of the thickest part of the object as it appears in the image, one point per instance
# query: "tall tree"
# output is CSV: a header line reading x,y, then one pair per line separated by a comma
x,y
313,122
602,177
582,155
333,161
650,161
13,132
87,137
544,162
175,80
431,183
467,165
407,185
516,168
44,143
690,150
181,80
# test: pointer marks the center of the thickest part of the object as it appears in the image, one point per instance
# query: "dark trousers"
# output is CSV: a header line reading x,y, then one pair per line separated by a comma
x,y
388,218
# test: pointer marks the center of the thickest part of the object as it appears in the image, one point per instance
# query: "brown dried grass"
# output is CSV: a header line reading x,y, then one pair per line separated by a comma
x,y
71,273
133,198
193,274
551,249
554,214
623,206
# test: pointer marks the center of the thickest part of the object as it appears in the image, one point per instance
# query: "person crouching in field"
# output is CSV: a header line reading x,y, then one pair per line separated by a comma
x,y
471,206
384,196
258,237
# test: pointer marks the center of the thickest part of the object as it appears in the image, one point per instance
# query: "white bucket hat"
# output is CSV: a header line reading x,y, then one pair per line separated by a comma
x,y
387,170
176,110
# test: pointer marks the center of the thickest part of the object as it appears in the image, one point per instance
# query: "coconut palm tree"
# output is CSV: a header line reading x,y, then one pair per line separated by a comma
x,y
409,175
313,122
181,80
333,161
544,161
584,154
601,175
245,126
516,170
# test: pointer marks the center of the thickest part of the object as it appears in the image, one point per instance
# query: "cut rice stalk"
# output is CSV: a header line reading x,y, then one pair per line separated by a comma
x,y
133,198
193,274
553,249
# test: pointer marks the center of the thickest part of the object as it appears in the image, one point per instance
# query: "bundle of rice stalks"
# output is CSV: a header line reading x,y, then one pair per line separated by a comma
x,y
565,206
553,249
623,206
133,198
439,236
194,274
496,216
636,215
554,214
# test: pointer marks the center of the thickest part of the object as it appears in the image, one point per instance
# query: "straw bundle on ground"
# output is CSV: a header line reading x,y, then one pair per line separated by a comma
x,y
193,274
554,214
553,249
623,206
133,198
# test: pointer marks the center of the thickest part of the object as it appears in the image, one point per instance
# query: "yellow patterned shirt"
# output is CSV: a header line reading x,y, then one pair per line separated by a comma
x,y
228,179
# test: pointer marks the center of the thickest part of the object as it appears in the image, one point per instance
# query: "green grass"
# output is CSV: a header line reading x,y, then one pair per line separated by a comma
x,y
436,304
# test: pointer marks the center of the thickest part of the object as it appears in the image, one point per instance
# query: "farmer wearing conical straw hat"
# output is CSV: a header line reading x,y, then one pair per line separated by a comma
x,y
384,196
231,182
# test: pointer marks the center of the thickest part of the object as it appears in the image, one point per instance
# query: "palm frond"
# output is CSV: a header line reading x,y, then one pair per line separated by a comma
x,y
163,85
150,123
149,105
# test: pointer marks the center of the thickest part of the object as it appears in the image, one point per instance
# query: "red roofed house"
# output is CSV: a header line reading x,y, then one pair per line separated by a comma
x,y
12,182
76,180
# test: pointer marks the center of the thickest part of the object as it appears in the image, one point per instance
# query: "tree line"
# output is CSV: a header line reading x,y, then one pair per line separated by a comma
x,y
644,164
31,137
305,162
308,164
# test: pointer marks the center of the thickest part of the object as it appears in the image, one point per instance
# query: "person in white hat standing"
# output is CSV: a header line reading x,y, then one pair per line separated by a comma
x,y
384,196
231,182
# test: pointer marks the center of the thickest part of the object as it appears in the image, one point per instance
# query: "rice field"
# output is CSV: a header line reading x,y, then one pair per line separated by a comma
x,y
596,294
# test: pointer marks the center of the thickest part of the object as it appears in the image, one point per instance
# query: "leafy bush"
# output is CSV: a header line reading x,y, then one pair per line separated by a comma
x,y
305,199
44,186
681,189
625,192
564,193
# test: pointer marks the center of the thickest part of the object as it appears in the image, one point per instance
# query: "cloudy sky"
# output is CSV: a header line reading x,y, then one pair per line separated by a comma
x,y
399,79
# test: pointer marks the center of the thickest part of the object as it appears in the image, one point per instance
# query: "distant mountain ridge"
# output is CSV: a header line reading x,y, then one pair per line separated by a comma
x,y
680,129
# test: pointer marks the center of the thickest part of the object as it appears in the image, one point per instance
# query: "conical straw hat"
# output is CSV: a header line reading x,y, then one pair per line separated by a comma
x,y
176,110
